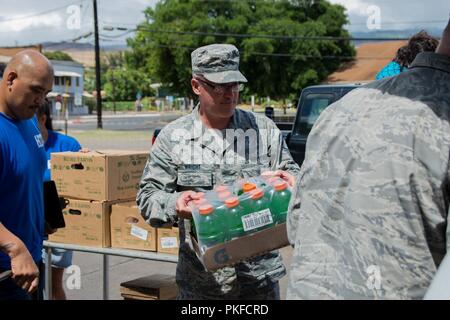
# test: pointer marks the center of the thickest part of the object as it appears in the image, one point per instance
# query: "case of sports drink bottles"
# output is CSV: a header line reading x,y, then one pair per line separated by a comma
x,y
228,213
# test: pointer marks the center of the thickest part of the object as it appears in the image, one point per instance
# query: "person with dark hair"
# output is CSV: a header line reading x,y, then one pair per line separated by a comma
x,y
397,65
420,42
55,142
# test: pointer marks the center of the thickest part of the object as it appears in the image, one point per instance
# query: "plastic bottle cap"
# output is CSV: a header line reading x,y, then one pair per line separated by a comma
x,y
224,195
248,187
232,202
200,194
206,209
281,185
257,194
221,188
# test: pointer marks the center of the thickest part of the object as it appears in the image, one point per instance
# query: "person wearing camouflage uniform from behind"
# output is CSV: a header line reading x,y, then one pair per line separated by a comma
x,y
369,219
197,152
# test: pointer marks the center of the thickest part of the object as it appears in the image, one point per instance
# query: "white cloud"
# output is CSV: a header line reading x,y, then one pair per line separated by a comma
x,y
16,23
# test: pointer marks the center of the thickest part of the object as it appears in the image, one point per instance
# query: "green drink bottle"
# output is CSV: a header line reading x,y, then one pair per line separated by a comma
x,y
257,215
232,213
209,226
280,202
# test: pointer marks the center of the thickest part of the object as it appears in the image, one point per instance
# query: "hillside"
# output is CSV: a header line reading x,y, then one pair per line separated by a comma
x,y
370,58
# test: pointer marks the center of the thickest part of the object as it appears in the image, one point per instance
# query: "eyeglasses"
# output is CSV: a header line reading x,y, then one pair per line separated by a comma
x,y
221,88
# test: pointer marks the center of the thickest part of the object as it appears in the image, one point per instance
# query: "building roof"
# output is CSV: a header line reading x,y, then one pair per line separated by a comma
x,y
67,74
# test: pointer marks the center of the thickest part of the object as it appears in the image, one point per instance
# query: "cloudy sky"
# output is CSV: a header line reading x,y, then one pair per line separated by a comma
x,y
25,22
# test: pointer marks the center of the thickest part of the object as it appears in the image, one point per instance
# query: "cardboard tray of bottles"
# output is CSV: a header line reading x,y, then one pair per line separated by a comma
x,y
238,222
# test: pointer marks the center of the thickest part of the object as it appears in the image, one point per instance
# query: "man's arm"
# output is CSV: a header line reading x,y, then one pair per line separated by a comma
x,y
281,161
157,195
24,271
284,160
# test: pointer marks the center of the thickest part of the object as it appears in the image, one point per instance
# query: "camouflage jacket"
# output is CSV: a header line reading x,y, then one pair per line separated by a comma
x,y
186,156
369,219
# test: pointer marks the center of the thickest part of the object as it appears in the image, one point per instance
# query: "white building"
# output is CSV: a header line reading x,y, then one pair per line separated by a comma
x,y
68,87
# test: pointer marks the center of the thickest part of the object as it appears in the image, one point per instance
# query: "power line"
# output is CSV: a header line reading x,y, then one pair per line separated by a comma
x,y
117,36
283,55
280,55
348,24
264,36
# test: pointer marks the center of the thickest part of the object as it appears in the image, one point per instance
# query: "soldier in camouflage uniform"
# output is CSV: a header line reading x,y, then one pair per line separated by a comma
x,y
370,215
207,147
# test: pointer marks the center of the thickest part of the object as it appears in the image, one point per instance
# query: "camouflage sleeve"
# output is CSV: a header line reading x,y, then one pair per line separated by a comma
x,y
281,158
156,197
286,162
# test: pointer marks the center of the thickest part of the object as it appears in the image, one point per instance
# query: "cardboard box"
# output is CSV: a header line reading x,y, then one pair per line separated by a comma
x,y
129,229
154,287
237,250
168,240
87,224
98,175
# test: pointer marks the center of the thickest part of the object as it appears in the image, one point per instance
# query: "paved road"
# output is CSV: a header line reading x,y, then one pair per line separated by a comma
x,y
128,121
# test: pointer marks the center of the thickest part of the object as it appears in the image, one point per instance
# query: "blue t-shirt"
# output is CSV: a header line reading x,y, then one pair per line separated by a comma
x,y
58,142
22,166
391,69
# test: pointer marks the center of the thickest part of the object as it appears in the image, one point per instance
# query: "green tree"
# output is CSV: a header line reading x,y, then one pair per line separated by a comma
x,y
122,84
58,55
275,63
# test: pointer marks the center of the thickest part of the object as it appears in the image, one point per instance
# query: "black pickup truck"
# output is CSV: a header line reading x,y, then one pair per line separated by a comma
x,y
313,100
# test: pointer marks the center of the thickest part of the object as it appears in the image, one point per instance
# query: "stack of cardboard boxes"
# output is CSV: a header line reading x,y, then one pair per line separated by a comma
x,y
100,188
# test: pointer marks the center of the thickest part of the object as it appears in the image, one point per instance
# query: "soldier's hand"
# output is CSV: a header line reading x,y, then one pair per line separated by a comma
x,y
182,206
24,271
286,176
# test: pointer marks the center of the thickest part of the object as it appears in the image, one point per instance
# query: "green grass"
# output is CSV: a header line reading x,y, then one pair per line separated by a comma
x,y
120,105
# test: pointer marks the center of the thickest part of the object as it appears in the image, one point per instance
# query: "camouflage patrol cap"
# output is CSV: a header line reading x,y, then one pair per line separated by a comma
x,y
218,63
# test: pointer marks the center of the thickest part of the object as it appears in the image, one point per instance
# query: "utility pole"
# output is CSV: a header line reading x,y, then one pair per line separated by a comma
x,y
97,70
